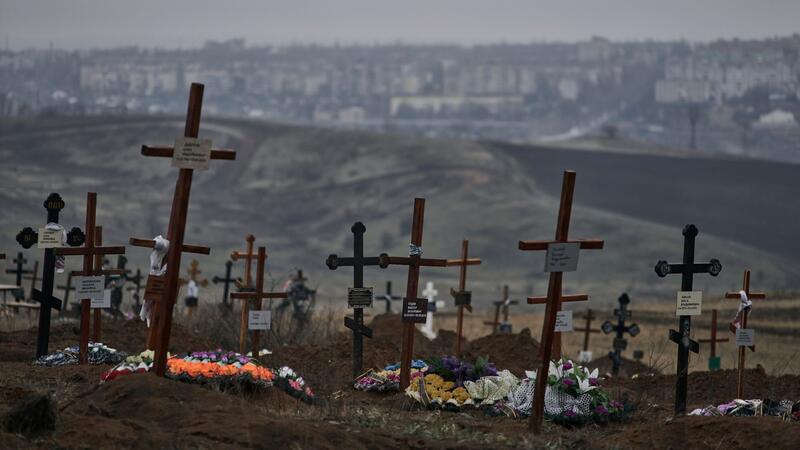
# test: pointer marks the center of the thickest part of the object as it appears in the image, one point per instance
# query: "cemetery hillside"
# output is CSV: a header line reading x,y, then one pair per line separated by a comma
x,y
207,282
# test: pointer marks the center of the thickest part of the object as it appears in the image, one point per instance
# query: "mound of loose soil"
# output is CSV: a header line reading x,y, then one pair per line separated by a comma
x,y
515,352
127,335
627,367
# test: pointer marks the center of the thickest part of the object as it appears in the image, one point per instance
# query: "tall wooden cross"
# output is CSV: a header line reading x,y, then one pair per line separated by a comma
x,y
27,238
588,330
257,295
551,341
713,359
34,277
20,261
502,305
388,297
193,271
620,328
463,298
226,281
245,286
742,316
683,337
92,253
177,224
358,297
414,309
99,269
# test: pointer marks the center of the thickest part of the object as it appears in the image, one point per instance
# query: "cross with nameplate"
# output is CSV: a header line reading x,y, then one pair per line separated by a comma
x,y
745,297
188,154
713,359
620,328
358,297
388,297
562,254
226,281
463,298
27,238
20,261
256,296
683,337
245,285
93,253
414,309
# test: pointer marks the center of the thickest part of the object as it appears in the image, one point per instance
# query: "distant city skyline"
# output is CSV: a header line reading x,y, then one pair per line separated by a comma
x,y
84,24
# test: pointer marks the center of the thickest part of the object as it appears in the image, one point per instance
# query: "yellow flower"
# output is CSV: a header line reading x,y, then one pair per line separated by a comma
x,y
448,385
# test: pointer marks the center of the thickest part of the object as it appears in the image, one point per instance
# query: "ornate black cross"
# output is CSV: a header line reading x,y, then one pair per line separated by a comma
x,y
620,343
20,261
27,238
227,281
388,297
683,337
358,296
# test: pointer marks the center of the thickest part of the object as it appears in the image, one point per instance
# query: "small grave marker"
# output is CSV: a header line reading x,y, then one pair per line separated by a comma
x,y
226,281
745,338
388,297
713,359
462,297
191,298
245,285
620,344
19,271
683,337
585,355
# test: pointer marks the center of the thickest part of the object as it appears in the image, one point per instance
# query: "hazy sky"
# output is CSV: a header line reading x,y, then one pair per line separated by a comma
x,y
187,23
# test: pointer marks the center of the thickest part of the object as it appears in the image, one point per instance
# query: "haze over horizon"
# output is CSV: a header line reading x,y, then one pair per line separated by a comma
x,y
84,24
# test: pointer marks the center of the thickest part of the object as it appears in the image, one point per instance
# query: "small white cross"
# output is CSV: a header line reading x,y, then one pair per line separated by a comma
x,y
430,292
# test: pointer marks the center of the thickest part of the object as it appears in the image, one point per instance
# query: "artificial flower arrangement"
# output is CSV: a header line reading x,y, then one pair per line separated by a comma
x,y
451,383
785,409
294,385
98,353
388,379
573,396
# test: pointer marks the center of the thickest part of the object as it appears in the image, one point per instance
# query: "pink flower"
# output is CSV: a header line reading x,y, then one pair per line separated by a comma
x,y
570,413
295,385
567,382
567,366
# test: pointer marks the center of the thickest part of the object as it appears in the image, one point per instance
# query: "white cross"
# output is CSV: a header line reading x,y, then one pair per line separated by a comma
x,y
430,293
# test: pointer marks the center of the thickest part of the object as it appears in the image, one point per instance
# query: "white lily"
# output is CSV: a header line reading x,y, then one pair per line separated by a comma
x,y
530,374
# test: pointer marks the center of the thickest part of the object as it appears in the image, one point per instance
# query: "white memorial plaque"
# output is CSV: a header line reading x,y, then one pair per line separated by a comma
x,y
690,303
104,301
49,238
90,287
563,321
745,337
585,356
259,320
562,257
191,153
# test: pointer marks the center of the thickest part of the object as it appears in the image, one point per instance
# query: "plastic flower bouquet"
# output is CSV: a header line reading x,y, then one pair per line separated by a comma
x,y
453,369
435,392
98,353
289,381
388,379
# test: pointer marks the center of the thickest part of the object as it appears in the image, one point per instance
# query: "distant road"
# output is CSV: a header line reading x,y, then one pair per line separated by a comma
x,y
753,202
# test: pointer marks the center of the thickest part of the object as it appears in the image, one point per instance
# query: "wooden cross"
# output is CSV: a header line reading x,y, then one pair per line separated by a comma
x,y
27,238
227,280
504,306
620,328
160,332
414,261
34,276
20,261
92,253
358,297
463,298
588,330
713,359
245,286
258,295
743,325
193,271
683,337
388,297
137,286
551,341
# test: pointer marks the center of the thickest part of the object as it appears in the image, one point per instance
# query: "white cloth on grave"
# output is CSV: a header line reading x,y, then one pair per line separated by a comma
x,y
191,289
160,248
60,259
745,304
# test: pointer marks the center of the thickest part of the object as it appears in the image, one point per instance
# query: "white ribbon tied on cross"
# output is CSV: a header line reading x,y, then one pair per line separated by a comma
x,y
414,250
160,249
745,304
60,259
191,289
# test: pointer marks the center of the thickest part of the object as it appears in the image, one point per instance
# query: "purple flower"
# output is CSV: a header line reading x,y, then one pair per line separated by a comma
x,y
567,366
601,410
567,382
594,382
615,404
570,413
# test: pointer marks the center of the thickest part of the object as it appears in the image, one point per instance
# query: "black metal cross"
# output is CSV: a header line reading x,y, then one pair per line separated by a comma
x,y
27,238
358,296
388,297
683,337
620,343
227,281
20,261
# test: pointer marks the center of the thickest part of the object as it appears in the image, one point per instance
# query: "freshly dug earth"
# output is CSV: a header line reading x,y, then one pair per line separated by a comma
x,y
143,411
